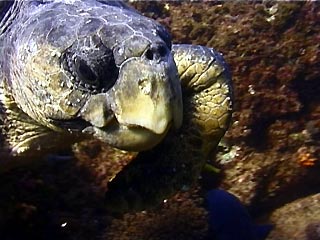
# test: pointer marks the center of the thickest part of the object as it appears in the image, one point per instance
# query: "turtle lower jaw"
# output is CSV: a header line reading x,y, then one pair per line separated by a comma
x,y
127,137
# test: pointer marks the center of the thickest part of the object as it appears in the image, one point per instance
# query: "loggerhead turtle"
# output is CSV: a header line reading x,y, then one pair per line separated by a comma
x,y
78,69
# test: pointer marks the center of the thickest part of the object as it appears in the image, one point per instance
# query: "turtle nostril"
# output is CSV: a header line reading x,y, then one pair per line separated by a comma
x,y
156,52
162,50
149,54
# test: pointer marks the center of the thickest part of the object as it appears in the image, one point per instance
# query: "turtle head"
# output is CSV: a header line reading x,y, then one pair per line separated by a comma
x,y
141,96
97,70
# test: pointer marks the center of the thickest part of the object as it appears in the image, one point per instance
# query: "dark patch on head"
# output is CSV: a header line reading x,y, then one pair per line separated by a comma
x,y
91,65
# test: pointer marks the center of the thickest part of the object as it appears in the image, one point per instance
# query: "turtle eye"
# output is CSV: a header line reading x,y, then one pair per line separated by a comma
x,y
83,76
85,72
92,68
93,76
86,78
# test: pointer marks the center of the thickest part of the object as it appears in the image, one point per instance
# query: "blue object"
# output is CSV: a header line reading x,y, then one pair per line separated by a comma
x,y
230,220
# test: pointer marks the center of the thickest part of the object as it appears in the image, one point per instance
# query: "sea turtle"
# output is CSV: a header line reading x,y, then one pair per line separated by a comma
x,y
78,69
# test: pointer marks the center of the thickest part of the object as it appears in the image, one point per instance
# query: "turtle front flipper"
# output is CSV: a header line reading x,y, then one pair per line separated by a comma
x,y
176,162
207,93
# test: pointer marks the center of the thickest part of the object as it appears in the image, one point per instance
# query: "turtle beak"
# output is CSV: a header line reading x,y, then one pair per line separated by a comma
x,y
148,96
138,111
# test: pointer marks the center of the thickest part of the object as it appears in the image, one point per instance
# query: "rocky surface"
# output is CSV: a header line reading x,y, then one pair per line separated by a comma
x,y
269,158
290,225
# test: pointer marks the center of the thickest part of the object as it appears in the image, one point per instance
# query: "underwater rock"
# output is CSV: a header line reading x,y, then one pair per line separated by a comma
x,y
299,219
181,217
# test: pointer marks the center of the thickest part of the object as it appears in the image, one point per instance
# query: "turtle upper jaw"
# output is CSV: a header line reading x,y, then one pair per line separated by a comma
x,y
130,134
138,127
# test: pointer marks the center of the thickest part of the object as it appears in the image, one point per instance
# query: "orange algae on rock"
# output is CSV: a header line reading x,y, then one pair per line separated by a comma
x,y
306,157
